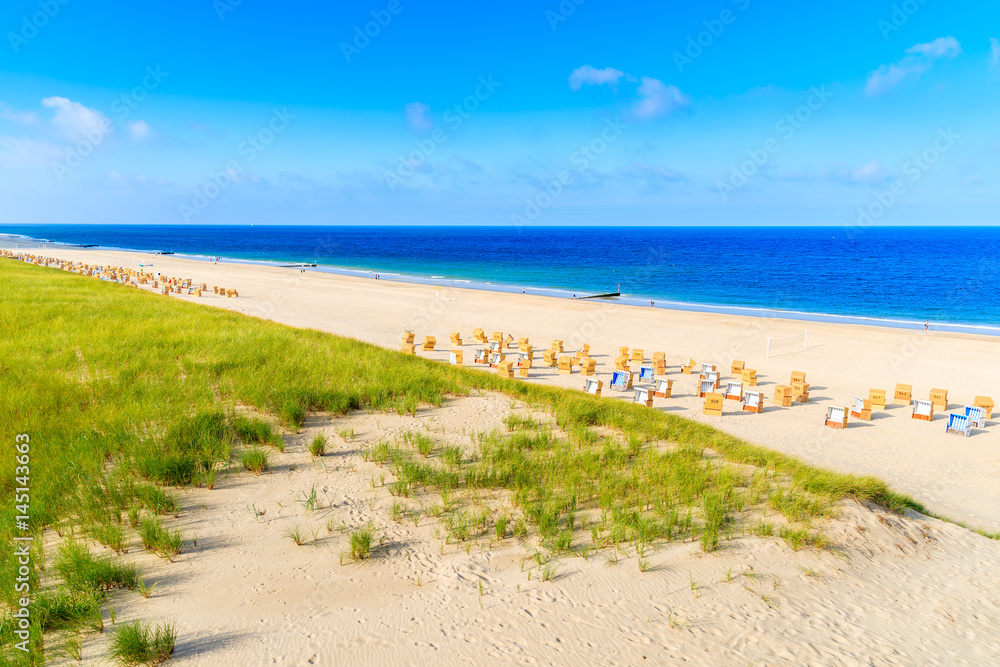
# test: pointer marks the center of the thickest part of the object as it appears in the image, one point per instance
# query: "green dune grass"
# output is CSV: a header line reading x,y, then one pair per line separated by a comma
x,y
125,393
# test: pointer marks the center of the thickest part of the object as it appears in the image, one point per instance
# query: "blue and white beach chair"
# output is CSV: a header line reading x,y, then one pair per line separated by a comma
x,y
646,374
958,424
976,416
621,380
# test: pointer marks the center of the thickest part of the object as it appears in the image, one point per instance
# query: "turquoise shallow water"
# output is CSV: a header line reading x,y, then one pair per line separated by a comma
x,y
947,275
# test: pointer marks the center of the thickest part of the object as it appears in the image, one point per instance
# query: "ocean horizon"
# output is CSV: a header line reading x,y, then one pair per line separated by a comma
x,y
899,276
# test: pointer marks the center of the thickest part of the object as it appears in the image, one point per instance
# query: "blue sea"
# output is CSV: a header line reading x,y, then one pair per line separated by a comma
x,y
895,276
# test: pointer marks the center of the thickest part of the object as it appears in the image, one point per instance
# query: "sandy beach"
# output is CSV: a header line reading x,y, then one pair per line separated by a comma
x,y
893,590
958,478
896,591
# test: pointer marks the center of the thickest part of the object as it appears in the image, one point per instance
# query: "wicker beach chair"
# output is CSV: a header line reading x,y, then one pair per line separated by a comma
x,y
664,388
753,401
713,405
862,409
836,416
923,410
621,380
643,396
960,424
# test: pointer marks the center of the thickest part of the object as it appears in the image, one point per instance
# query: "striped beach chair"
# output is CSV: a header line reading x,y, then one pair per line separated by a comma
x,y
976,416
646,373
621,380
958,424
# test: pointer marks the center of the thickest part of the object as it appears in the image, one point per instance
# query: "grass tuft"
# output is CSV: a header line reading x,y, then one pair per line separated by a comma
x,y
318,445
138,643
255,460
361,542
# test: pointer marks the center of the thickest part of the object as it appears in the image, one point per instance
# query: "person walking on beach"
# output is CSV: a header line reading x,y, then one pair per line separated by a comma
x,y
927,325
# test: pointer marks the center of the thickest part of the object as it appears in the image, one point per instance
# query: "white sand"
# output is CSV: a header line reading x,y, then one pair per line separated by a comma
x,y
899,592
904,591
955,477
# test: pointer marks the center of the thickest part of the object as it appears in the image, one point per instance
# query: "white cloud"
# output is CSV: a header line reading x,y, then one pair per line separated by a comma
x,y
994,53
918,59
418,117
942,47
873,172
139,130
870,173
658,99
655,98
20,117
18,153
76,121
651,178
594,77
115,175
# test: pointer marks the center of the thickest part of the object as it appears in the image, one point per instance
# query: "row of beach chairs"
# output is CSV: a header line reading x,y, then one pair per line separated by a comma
x,y
126,276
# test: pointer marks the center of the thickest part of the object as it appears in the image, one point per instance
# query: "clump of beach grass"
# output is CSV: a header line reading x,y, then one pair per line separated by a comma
x,y
157,539
139,643
297,534
255,460
361,542
318,445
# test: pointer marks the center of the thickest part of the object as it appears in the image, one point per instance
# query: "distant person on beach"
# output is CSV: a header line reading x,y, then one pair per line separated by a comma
x,y
927,325
651,303
522,290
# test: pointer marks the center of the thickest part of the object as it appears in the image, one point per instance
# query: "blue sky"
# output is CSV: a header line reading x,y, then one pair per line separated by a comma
x,y
574,112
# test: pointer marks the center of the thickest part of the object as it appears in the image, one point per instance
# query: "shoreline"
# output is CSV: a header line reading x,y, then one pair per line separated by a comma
x,y
559,293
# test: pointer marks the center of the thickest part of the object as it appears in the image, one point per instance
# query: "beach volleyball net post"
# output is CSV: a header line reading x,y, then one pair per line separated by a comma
x,y
777,345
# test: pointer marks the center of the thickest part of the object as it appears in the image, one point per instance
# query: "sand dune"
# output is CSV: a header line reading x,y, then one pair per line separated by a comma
x,y
955,477
894,591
